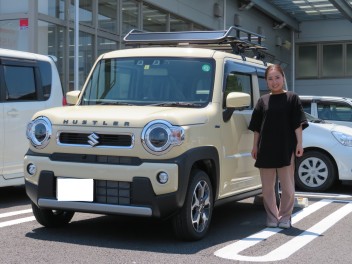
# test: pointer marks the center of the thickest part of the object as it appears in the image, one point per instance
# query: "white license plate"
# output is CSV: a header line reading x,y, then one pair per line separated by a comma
x,y
69,189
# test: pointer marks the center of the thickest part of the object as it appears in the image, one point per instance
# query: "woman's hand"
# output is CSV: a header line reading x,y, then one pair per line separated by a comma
x,y
299,150
254,152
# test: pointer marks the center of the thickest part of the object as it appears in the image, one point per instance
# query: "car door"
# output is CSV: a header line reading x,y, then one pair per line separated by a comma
x,y
238,171
22,99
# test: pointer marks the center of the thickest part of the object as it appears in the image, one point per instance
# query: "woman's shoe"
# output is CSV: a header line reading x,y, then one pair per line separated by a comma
x,y
271,224
285,224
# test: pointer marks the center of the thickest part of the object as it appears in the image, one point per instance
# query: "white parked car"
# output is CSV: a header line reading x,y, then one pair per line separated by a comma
x,y
29,83
334,109
327,156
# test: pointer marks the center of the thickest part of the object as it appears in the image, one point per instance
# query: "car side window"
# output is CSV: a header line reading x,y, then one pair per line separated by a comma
x,y
263,87
238,82
306,106
338,111
23,88
45,76
25,80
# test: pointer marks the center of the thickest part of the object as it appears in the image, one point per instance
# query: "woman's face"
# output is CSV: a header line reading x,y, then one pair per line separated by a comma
x,y
275,81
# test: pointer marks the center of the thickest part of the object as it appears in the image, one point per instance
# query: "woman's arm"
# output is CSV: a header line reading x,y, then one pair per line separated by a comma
x,y
255,145
299,147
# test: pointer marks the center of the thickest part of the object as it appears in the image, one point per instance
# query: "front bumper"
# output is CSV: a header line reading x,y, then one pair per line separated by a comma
x,y
137,191
143,201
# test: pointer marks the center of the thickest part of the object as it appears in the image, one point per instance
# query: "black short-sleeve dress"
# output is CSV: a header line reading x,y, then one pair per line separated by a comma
x,y
276,117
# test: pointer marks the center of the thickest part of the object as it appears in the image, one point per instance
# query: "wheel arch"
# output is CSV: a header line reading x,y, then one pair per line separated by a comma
x,y
202,158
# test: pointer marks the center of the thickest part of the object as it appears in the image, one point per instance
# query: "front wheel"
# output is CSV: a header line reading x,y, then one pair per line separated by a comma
x,y
51,218
192,222
315,172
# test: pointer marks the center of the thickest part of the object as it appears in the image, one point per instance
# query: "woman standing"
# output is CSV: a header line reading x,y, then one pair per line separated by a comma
x,y
277,122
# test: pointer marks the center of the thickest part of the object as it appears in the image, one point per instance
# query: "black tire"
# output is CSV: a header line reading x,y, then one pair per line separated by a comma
x,y
193,221
315,172
51,218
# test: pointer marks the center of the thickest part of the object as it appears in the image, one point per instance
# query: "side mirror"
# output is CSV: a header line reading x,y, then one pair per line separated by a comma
x,y
238,100
235,101
72,97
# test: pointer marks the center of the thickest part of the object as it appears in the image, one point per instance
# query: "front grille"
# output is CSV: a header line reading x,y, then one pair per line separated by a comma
x,y
112,192
71,138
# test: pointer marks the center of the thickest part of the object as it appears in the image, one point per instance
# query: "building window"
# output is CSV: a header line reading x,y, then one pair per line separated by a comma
x,y
13,6
52,43
324,60
129,15
332,61
85,12
154,20
54,8
178,24
85,57
107,15
105,45
307,63
349,59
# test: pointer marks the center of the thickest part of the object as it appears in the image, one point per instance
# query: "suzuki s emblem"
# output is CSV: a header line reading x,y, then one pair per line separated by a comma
x,y
93,139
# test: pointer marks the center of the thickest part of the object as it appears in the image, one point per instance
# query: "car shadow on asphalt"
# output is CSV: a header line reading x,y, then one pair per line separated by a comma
x,y
13,196
230,222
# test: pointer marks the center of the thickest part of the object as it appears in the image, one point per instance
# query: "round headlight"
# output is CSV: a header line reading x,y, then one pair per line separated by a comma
x,y
39,132
159,136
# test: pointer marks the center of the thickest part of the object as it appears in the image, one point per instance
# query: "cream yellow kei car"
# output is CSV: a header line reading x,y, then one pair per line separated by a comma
x,y
155,132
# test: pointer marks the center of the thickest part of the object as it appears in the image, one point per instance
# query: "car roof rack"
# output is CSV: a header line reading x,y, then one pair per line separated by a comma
x,y
235,40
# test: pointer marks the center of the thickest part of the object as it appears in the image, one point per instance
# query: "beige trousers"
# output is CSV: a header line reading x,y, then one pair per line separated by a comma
x,y
287,184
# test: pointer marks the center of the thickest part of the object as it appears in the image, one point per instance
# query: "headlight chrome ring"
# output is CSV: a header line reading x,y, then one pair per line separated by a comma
x,y
159,136
39,132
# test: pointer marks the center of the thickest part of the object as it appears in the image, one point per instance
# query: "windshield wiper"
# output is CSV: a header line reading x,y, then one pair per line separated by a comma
x,y
112,103
318,121
181,104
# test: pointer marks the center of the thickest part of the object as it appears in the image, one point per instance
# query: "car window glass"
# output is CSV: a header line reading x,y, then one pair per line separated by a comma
x,y
306,106
238,82
148,80
263,88
338,111
20,83
45,75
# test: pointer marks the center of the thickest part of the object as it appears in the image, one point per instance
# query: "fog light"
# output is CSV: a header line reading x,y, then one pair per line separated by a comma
x,y
31,169
162,177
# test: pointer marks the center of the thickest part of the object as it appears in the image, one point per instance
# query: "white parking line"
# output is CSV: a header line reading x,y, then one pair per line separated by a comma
x,y
17,221
26,211
232,251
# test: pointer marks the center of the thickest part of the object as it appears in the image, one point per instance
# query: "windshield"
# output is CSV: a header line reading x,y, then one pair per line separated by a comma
x,y
155,81
313,119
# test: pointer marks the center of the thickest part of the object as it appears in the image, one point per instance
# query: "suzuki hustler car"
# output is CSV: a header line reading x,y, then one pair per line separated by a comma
x,y
155,132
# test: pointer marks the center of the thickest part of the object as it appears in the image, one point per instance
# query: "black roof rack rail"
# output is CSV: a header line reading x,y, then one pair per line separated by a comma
x,y
238,39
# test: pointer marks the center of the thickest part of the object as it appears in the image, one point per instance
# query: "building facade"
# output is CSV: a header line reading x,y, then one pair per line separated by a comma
x,y
314,56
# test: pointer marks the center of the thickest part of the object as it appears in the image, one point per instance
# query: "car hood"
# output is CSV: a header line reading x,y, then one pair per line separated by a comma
x,y
132,116
329,127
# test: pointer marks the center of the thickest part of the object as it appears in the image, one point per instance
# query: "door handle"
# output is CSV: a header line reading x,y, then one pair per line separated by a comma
x,y
12,112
